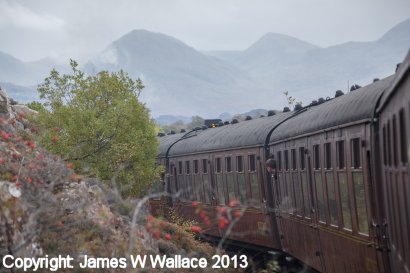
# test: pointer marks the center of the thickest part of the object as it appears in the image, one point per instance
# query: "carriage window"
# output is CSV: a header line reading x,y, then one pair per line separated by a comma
x,y
302,157
293,156
286,156
204,166
196,169
252,163
356,153
328,156
241,179
340,154
179,167
187,167
228,164
279,161
316,157
384,146
395,152
403,141
239,164
218,165
389,143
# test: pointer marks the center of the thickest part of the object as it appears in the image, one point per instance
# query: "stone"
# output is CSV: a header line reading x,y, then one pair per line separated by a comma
x,y
4,102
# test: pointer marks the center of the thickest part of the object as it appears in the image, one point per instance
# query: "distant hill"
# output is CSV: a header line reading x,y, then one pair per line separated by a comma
x,y
22,94
177,77
169,119
182,81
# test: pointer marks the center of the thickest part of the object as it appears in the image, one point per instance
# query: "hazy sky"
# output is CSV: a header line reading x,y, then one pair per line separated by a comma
x,y
62,29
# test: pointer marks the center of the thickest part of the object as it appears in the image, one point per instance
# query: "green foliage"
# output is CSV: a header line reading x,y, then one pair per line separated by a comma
x,y
196,121
35,105
98,123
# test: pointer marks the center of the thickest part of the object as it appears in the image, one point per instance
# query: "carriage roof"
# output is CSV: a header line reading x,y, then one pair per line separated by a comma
x,y
354,106
243,134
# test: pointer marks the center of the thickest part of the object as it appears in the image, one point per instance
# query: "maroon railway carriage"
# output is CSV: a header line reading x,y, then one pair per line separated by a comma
x,y
324,194
218,165
339,196
394,134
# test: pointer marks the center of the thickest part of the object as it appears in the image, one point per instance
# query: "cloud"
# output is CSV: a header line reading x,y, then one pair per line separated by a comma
x,y
13,14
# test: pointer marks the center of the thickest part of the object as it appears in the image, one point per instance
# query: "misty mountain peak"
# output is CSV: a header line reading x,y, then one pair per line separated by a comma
x,y
284,43
401,30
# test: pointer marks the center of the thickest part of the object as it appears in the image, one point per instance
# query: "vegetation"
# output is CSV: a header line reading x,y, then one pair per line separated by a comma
x,y
291,100
98,124
196,121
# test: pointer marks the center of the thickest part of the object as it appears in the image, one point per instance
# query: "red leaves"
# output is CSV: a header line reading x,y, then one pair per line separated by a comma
x,y
222,222
168,237
70,165
150,218
221,210
29,180
4,135
196,229
31,145
237,213
54,139
21,116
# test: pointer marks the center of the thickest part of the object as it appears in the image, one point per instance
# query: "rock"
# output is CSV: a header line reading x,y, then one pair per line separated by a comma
x,y
20,108
4,102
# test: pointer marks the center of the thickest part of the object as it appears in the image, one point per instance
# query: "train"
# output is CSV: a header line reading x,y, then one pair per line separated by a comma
x,y
327,183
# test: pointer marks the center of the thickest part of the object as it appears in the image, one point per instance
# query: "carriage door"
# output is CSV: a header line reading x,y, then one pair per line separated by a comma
x,y
317,213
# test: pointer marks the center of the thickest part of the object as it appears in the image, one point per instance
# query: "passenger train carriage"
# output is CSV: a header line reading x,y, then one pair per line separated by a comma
x,y
339,195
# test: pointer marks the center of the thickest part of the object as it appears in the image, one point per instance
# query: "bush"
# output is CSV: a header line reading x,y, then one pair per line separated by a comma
x,y
98,124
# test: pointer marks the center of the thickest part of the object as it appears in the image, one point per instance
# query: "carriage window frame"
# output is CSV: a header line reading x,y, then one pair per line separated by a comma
x,y
228,164
293,159
341,155
389,156
180,169
204,166
356,153
218,165
279,160
316,157
252,163
328,156
196,166
302,159
395,148
239,167
403,137
286,159
187,167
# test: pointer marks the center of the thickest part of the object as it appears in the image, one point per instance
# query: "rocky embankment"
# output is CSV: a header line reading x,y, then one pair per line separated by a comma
x,y
47,209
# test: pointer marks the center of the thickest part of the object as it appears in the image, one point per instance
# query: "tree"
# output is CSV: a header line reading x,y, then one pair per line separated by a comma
x,y
196,121
98,124
35,105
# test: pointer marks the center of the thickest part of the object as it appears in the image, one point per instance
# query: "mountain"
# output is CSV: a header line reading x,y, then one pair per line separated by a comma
x,y
11,69
184,82
178,78
283,63
22,94
170,119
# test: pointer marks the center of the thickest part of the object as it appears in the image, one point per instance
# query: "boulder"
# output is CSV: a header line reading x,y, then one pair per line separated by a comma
x,y
4,102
